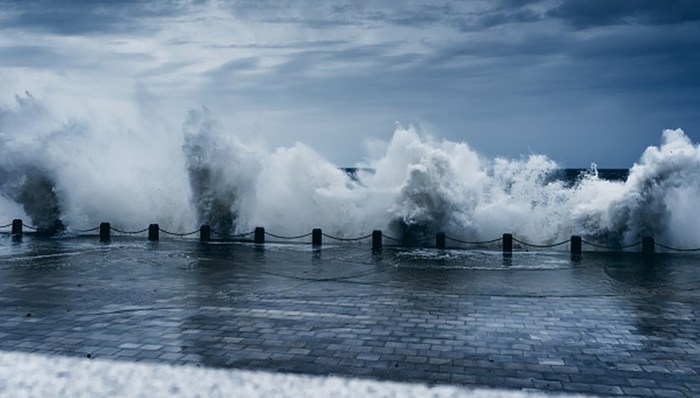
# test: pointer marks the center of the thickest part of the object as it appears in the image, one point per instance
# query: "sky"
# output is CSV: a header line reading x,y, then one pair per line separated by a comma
x,y
580,81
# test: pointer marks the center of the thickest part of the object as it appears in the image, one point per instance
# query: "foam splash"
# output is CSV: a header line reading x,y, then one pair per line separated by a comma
x,y
23,180
654,201
221,173
78,174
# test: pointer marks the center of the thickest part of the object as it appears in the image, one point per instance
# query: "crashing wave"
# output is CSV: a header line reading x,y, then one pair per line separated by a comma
x,y
75,173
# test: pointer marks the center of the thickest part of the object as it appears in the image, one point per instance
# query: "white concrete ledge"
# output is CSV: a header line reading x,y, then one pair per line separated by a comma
x,y
31,375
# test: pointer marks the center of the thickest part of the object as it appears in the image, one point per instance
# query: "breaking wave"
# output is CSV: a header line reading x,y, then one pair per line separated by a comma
x,y
66,173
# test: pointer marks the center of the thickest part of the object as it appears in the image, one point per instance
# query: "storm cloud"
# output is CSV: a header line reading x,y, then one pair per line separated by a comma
x,y
509,77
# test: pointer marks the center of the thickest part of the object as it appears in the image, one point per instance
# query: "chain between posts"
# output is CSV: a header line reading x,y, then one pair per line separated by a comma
x,y
288,237
542,246
466,242
128,232
390,238
6,225
38,230
346,239
675,249
243,234
219,234
610,247
178,233
80,231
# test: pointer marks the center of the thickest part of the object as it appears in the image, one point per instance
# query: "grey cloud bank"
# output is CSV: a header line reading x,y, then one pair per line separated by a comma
x,y
579,81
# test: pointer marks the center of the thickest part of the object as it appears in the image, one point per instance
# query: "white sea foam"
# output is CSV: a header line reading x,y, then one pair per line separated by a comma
x,y
81,173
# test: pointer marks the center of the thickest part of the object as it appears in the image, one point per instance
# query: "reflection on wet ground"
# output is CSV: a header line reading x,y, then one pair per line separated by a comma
x,y
602,324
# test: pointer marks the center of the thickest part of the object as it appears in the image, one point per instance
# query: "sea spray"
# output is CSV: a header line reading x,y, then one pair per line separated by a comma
x,y
421,186
222,173
436,186
25,181
83,172
298,190
79,173
447,186
654,201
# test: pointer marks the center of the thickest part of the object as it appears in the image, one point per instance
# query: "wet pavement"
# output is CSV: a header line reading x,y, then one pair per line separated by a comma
x,y
605,324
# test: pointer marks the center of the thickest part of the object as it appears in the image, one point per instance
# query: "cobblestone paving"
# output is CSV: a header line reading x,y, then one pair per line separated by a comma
x,y
605,325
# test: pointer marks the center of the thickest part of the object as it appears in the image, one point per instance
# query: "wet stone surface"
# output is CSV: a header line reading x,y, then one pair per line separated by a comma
x,y
606,324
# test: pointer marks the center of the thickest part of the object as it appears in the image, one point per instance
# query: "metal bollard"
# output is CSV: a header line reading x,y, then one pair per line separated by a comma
x,y
153,230
507,243
317,237
648,246
259,235
376,240
105,230
440,240
576,246
204,233
17,226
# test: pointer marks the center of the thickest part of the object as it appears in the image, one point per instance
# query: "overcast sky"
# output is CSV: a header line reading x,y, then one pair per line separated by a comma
x,y
581,81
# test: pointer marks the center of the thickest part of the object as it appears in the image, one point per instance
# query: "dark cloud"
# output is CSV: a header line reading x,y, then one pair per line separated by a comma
x,y
468,17
327,15
534,89
502,17
533,62
591,13
420,15
86,17
518,69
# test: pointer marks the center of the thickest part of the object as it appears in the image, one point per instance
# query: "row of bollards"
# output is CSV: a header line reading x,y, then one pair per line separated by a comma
x,y
205,233
576,242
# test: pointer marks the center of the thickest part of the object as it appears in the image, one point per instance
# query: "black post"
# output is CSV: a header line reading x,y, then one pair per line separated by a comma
x,y
17,227
259,235
105,230
204,233
648,246
576,245
316,237
507,243
440,240
376,240
153,232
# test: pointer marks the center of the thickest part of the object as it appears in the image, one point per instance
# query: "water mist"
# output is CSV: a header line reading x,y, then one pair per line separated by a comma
x,y
75,173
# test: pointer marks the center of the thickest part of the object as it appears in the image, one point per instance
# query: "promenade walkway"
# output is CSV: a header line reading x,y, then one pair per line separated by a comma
x,y
608,324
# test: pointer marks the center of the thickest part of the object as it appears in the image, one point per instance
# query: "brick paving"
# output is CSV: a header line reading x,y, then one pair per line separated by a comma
x,y
606,324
